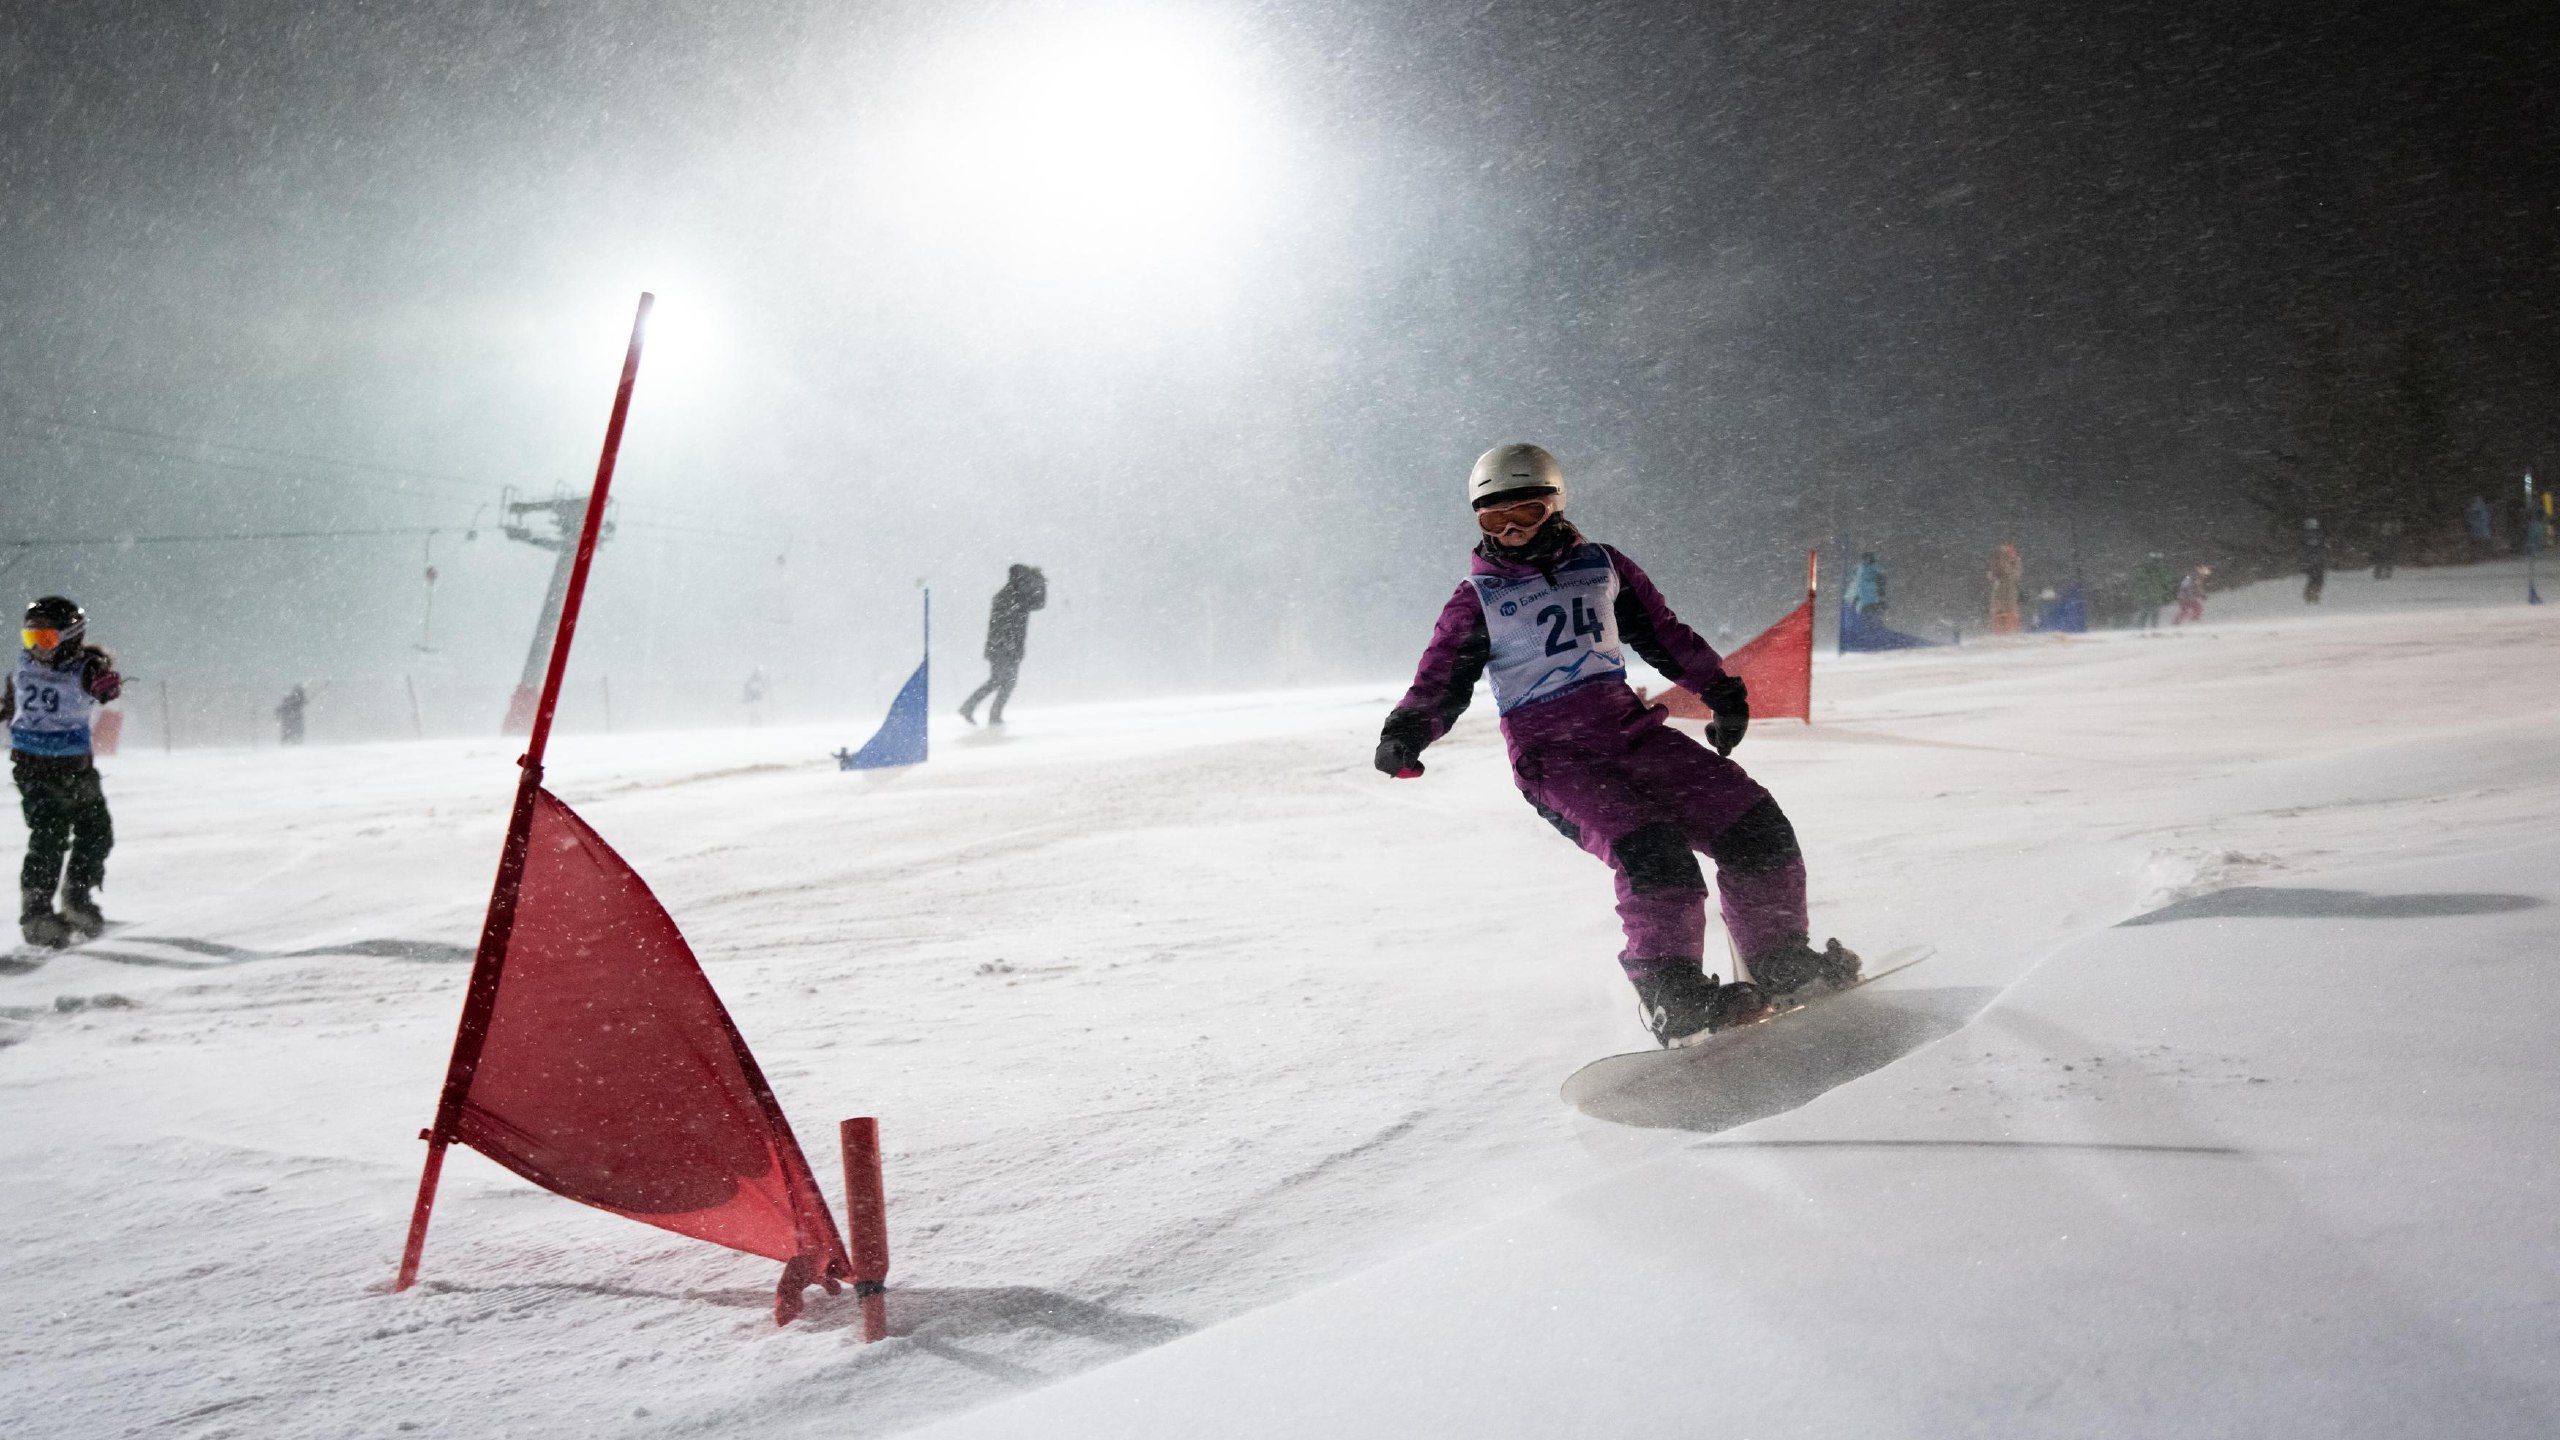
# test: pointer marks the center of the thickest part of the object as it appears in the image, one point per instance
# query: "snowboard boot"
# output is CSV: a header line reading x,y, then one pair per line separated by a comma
x,y
38,925
1683,1006
80,912
1740,1003
1793,971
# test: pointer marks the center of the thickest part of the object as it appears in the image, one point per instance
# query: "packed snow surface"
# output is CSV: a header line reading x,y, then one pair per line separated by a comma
x,y
1217,1075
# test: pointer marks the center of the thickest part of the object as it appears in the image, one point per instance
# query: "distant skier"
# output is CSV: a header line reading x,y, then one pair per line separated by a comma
x,y
2153,589
2475,518
60,682
2191,594
1866,587
1548,614
2386,549
2315,560
289,713
754,695
1008,632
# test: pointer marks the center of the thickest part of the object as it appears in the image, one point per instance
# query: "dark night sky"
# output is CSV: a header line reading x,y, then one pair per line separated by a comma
x,y
1928,276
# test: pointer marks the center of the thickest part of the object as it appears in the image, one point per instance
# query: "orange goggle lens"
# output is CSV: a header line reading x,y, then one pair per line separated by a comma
x,y
40,639
1499,518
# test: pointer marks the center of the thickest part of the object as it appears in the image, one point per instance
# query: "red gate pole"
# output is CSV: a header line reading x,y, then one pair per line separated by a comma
x,y
866,1223
1812,577
482,996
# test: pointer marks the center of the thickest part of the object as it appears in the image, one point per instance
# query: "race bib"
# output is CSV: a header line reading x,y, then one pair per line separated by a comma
x,y
53,712
1551,634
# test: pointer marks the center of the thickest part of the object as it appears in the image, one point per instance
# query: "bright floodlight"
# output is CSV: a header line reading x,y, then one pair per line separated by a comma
x,y
684,348
1077,140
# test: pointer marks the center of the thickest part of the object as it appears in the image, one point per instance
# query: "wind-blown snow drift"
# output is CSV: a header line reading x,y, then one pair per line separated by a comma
x,y
1180,1020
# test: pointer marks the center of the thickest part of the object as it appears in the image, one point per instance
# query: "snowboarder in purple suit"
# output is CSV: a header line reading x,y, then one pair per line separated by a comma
x,y
1547,614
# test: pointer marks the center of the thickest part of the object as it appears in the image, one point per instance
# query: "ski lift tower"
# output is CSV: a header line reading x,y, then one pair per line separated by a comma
x,y
551,525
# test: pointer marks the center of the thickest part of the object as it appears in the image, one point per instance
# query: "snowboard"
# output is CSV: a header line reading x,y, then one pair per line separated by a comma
x,y
1615,1072
23,957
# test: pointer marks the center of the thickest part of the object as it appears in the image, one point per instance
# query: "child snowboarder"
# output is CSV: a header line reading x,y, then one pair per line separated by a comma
x,y
60,682
1546,612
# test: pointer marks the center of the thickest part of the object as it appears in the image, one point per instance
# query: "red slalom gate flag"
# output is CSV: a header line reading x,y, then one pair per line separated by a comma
x,y
613,1075
1776,666
593,1058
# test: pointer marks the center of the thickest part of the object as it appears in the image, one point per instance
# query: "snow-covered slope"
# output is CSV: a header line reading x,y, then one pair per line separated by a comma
x,y
2351,591
1179,1019
2276,1165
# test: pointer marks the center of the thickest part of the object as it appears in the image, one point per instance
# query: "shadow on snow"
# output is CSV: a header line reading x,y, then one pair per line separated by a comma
x,y
2285,902
213,955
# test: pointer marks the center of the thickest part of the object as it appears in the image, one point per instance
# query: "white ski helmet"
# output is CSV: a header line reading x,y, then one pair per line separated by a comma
x,y
1514,470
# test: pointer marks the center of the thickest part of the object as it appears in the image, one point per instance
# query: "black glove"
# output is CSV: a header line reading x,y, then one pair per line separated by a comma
x,y
98,675
1731,700
1400,743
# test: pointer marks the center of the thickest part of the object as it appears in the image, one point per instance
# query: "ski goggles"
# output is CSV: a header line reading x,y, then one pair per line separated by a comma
x,y
40,641
1519,514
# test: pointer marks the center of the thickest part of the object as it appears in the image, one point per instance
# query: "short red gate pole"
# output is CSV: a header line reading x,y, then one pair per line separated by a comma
x,y
1812,590
866,1223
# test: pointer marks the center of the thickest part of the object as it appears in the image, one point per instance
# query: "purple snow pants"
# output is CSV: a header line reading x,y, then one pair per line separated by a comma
x,y
1602,764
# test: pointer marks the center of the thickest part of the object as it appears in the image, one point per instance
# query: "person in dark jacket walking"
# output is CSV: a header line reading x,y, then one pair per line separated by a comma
x,y
1008,631
59,684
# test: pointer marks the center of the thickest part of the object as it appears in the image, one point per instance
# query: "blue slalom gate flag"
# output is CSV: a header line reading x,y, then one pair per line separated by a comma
x,y
1861,631
2065,614
900,740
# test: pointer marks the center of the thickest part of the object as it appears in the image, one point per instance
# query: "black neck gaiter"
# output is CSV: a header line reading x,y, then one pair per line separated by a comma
x,y
1552,543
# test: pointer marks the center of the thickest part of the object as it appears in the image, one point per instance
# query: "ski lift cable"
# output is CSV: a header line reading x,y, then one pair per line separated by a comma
x,y
19,548
66,542
129,432
266,472
21,419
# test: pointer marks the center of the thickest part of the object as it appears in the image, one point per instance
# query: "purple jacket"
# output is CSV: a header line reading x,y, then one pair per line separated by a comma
x,y
1461,646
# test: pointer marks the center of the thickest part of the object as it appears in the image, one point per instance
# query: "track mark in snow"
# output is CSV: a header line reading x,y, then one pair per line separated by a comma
x,y
1274,1207
1388,1136
734,772
212,955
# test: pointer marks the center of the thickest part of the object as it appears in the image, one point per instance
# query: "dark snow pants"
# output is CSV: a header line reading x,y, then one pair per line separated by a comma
x,y
66,811
1003,671
1645,799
